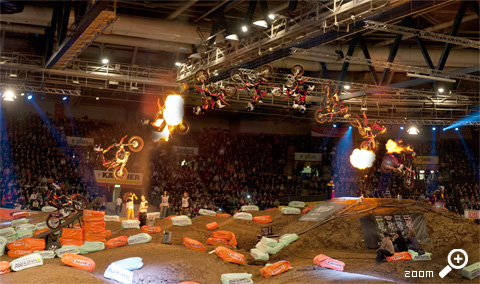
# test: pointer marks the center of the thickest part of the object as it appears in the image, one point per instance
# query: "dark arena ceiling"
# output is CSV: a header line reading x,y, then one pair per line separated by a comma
x,y
396,54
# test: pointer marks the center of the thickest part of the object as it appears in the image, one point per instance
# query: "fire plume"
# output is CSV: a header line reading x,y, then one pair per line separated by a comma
x,y
362,159
173,112
393,147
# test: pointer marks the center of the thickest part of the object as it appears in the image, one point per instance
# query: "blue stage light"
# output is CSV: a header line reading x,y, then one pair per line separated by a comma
x,y
29,97
64,98
433,128
456,128
349,127
401,127
334,125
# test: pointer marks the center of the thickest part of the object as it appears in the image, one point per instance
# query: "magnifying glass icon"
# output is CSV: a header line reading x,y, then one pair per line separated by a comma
x,y
457,258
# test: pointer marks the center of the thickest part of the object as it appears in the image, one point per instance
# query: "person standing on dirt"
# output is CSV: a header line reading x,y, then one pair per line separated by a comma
x,y
118,206
330,189
185,203
130,206
164,205
142,211
386,248
399,242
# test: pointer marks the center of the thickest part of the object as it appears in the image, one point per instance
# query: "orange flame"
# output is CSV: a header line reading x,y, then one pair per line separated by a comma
x,y
393,147
362,159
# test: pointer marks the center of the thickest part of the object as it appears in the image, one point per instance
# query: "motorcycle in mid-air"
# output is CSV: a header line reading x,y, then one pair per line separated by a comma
x,y
119,163
212,95
400,170
333,107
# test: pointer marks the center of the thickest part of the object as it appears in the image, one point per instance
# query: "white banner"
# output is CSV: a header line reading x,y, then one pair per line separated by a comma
x,y
308,156
79,141
473,214
135,179
185,150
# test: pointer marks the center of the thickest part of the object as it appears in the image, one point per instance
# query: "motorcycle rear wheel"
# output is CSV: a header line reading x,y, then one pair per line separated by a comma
x,y
120,173
321,117
183,128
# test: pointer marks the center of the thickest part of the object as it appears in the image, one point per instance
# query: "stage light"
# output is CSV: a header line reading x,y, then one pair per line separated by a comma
x,y
444,129
347,87
261,23
441,90
9,96
334,125
271,16
105,61
430,77
244,28
433,128
349,127
456,128
97,98
22,94
65,98
413,130
30,97
248,196
233,37
178,64
401,127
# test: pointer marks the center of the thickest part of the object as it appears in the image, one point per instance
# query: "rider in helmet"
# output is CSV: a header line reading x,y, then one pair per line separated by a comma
x,y
58,199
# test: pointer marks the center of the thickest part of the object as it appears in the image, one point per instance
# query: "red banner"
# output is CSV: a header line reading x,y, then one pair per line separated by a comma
x,y
10,214
328,131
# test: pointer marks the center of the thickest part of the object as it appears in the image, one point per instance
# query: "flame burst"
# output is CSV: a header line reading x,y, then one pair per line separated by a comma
x,y
362,159
393,147
173,112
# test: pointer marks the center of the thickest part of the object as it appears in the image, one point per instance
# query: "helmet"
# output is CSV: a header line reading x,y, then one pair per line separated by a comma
x,y
302,109
250,107
56,186
197,110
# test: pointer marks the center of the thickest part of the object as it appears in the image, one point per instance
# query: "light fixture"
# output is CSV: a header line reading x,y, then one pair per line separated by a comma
x,y
244,28
441,90
75,81
271,16
97,98
443,129
248,196
260,23
456,128
349,127
22,94
178,64
413,130
195,56
30,97
334,125
233,37
347,87
433,128
430,77
9,96
401,127
105,61
64,98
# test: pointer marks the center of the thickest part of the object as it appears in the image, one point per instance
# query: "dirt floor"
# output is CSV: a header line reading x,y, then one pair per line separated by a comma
x,y
340,238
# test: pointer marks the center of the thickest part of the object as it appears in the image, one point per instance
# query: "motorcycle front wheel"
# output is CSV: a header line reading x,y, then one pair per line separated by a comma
x,y
408,182
135,143
386,167
120,173
236,76
201,76
321,117
53,222
365,145
297,70
79,202
230,90
266,71
183,128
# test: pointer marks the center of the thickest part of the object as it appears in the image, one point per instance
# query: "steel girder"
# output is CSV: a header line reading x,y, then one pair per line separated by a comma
x,y
47,90
422,34
390,65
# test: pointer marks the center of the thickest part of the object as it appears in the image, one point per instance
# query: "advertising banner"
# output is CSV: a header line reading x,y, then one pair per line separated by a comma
x,y
426,160
133,180
322,211
185,150
79,141
314,157
328,131
472,214
373,227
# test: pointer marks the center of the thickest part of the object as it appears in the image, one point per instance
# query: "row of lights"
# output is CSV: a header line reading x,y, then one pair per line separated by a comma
x,y
9,96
